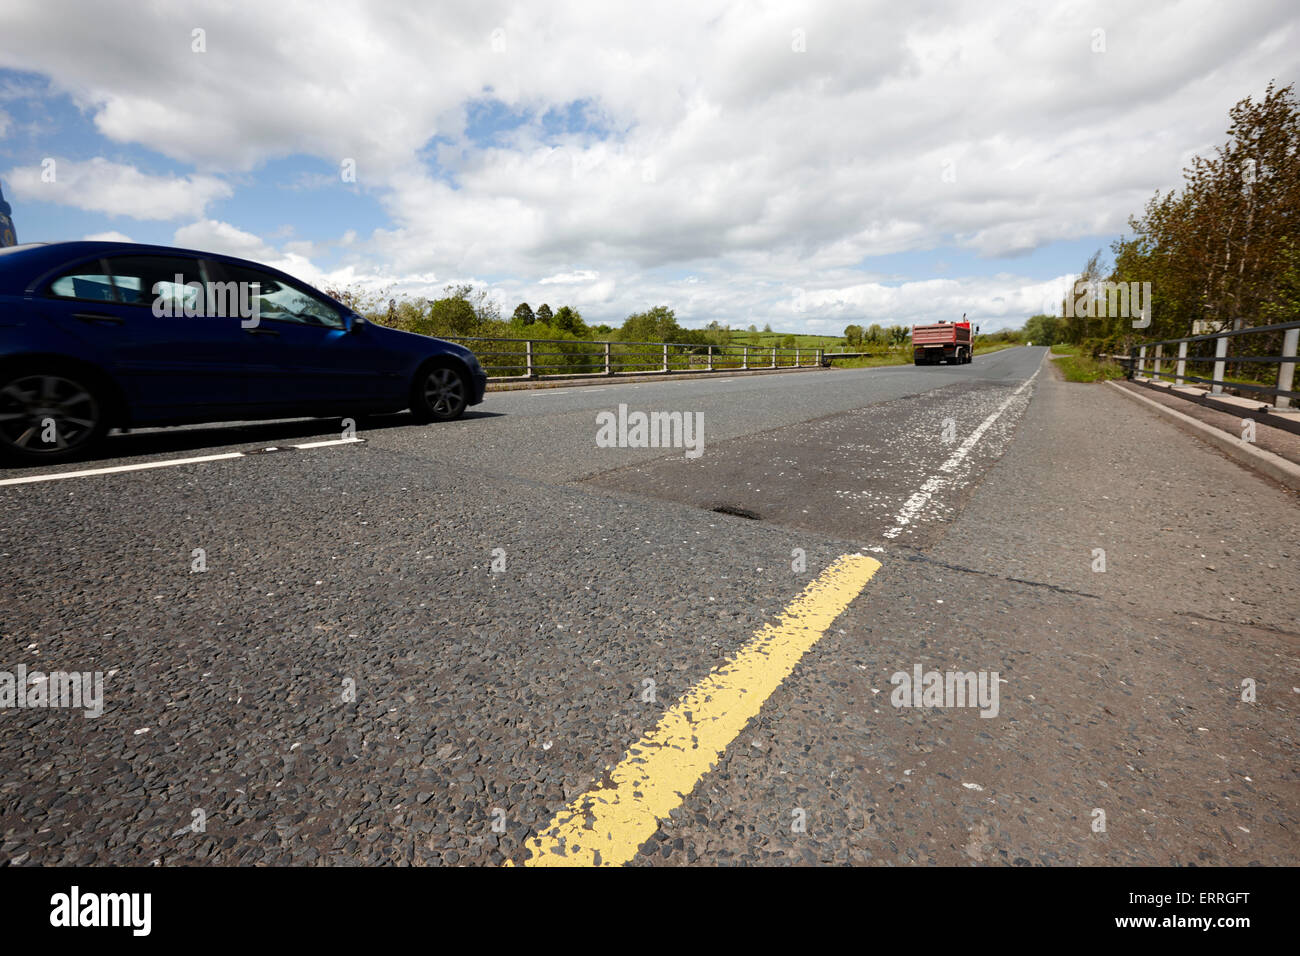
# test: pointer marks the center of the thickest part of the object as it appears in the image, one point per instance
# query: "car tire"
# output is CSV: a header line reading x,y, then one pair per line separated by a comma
x,y
39,402
440,393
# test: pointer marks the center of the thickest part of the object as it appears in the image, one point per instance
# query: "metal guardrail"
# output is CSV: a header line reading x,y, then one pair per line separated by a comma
x,y
525,359
1154,352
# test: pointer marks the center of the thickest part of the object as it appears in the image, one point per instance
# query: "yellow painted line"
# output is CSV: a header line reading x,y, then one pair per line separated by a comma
x,y
607,824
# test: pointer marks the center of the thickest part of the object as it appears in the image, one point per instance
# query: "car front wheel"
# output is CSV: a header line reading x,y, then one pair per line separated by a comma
x,y
440,394
48,415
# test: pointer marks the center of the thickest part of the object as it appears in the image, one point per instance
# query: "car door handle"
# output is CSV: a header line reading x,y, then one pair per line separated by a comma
x,y
261,331
97,317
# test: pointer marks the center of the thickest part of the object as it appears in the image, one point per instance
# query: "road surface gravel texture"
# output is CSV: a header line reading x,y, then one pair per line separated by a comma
x,y
423,647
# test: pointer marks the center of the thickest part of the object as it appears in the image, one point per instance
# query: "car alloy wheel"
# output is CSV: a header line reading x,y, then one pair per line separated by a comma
x,y
443,394
47,416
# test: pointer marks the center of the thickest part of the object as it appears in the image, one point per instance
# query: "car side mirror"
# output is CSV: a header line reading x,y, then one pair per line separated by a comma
x,y
356,323
977,330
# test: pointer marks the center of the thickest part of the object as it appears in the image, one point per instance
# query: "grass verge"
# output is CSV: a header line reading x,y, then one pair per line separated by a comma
x,y
1085,368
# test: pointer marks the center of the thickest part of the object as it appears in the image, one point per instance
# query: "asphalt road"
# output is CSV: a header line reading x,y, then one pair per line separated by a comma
x,y
351,682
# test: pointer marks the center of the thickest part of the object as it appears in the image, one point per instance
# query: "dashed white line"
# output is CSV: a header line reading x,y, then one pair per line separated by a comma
x,y
169,463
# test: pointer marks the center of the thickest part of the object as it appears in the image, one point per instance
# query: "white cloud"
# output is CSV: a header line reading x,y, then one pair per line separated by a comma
x,y
571,278
115,189
111,236
722,152
210,235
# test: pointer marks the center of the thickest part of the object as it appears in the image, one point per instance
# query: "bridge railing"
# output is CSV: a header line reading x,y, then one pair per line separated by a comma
x,y
526,359
1156,354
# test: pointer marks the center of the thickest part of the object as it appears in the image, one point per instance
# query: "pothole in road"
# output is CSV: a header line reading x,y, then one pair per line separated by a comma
x,y
737,512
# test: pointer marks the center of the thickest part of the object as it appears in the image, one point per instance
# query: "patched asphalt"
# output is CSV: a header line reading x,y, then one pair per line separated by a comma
x,y
483,697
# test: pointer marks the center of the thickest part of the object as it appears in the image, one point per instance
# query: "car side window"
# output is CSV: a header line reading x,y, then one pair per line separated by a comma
x,y
87,281
279,301
161,280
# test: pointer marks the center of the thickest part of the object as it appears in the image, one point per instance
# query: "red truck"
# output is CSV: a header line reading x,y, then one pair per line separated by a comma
x,y
951,342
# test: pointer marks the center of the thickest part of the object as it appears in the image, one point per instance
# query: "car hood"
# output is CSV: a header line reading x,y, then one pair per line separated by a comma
x,y
431,343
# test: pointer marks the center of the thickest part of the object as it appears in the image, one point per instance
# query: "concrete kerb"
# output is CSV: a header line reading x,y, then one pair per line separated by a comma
x,y
1265,462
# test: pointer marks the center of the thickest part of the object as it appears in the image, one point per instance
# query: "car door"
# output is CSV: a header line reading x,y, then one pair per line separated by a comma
x,y
142,318
301,355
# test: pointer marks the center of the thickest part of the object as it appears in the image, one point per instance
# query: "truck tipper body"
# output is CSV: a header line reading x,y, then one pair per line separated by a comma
x,y
946,342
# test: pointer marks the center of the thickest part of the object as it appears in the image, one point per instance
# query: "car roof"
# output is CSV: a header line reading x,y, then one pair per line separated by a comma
x,y
20,265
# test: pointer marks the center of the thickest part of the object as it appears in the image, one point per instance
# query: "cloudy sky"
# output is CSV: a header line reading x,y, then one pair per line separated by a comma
x,y
800,164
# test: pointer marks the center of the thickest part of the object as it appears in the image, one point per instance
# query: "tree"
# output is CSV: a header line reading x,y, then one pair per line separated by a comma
x,y
523,316
1244,204
452,315
1285,304
716,333
482,304
569,320
853,335
767,327
544,314
1219,249
899,334
1042,329
1075,312
658,324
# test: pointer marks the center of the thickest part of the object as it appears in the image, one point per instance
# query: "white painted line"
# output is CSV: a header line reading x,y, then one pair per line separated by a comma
x,y
916,504
31,479
326,444
169,463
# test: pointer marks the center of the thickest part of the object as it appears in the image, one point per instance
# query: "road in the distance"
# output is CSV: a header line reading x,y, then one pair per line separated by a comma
x,y
350,681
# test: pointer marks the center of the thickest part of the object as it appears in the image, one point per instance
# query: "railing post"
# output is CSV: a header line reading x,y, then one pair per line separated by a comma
x,y
1286,370
1220,367
773,356
665,356
710,358
608,368
528,354
1142,360
798,360
745,361
1132,362
1160,354
1182,363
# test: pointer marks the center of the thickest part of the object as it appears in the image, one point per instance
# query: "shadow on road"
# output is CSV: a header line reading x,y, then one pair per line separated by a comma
x,y
205,438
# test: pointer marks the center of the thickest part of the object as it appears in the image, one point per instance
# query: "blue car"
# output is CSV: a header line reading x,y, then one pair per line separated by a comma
x,y
97,335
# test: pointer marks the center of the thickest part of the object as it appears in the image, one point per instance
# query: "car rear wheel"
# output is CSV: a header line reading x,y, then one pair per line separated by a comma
x,y
440,395
49,415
